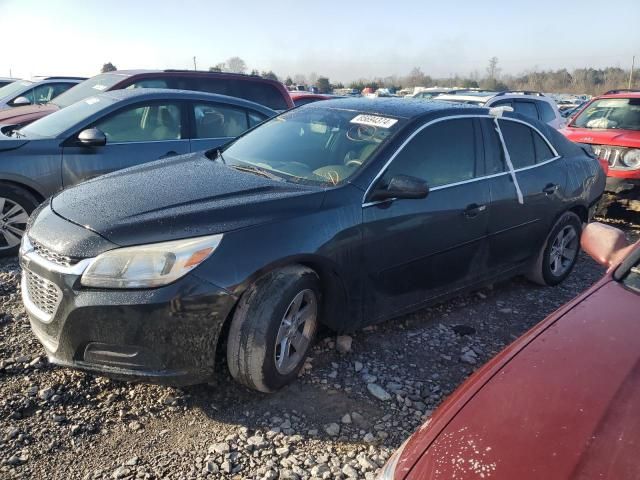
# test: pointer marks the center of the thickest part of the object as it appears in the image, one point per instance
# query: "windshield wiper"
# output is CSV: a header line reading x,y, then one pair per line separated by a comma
x,y
257,171
16,133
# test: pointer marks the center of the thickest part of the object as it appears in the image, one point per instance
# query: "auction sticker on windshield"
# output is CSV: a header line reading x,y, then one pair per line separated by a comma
x,y
374,121
100,87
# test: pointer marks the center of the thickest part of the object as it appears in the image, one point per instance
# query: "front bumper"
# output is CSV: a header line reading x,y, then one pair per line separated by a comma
x,y
165,335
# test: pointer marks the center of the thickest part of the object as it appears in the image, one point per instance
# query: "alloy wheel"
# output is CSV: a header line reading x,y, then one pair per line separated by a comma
x,y
563,250
296,330
13,223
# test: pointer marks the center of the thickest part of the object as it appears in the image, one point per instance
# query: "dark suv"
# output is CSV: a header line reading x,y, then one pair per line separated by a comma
x,y
269,93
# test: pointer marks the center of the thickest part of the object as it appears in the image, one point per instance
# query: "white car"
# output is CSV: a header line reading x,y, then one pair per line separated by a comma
x,y
531,104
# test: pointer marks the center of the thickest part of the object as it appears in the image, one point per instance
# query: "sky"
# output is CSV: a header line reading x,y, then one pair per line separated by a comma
x,y
342,40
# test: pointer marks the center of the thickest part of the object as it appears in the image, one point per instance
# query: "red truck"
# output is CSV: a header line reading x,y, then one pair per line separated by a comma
x,y
610,123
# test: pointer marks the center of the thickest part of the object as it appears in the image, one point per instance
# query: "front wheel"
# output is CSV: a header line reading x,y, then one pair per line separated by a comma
x,y
16,204
273,327
559,253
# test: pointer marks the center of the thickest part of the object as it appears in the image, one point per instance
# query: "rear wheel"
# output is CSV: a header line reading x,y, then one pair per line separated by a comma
x,y
16,204
273,327
559,253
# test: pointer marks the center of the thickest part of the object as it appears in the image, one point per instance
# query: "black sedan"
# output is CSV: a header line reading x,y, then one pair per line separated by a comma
x,y
342,213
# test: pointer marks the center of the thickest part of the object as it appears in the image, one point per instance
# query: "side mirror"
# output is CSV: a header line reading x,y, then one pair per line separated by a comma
x,y
20,101
402,186
605,244
92,137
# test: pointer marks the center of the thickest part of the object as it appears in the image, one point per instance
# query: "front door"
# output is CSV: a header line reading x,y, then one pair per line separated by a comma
x,y
135,134
416,250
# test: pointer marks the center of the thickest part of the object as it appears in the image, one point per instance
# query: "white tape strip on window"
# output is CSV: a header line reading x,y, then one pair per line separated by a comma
x,y
512,171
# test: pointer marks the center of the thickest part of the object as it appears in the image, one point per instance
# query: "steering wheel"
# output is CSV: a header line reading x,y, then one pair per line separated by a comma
x,y
353,163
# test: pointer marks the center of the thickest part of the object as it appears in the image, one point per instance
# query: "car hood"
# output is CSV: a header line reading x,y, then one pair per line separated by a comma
x,y
565,406
621,138
181,197
26,114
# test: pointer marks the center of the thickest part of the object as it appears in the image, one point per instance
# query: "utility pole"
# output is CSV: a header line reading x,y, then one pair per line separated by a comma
x,y
633,61
194,63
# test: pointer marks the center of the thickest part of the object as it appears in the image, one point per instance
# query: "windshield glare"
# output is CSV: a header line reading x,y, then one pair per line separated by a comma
x,y
14,88
610,113
92,86
59,122
313,145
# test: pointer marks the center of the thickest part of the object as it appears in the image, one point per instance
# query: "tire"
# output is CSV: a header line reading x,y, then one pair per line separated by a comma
x,y
543,271
254,352
16,204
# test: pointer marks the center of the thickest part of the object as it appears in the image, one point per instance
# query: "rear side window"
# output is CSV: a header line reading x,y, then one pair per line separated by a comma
x,y
441,154
218,121
519,140
546,112
543,152
526,108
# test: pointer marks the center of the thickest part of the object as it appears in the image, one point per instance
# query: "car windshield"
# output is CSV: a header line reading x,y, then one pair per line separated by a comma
x,y
319,146
89,87
14,88
59,122
610,113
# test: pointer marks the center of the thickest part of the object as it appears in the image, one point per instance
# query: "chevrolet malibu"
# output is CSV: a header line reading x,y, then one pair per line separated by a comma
x,y
343,213
561,402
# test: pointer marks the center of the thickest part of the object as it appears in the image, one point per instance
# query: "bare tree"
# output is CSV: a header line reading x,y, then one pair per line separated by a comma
x,y
492,69
236,65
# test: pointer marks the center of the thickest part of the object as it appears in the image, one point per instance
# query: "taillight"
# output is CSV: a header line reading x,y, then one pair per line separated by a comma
x,y
604,164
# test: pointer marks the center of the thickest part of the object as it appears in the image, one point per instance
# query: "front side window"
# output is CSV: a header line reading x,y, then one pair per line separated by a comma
x,y
47,92
149,83
319,146
441,154
519,141
218,121
255,118
146,123
610,113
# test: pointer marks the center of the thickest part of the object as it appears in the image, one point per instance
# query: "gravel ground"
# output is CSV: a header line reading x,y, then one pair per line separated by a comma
x,y
357,399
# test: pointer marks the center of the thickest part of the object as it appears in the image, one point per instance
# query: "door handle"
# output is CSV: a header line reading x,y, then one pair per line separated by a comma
x,y
473,210
168,154
550,189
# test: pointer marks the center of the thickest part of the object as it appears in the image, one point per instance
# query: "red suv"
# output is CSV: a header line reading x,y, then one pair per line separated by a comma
x,y
266,92
611,124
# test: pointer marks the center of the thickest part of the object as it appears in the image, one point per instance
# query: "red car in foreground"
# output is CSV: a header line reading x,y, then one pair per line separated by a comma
x,y
302,98
561,402
611,124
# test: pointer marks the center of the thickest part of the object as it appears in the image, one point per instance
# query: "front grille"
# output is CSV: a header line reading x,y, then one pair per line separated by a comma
x,y
42,293
611,154
52,256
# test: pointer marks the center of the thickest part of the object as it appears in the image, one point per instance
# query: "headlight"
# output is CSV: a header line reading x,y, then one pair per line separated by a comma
x,y
147,266
631,159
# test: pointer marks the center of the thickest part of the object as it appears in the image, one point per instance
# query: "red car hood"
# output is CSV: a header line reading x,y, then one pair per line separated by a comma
x,y
563,402
620,138
26,114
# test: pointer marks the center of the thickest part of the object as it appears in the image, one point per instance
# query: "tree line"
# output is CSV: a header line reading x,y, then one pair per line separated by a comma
x,y
590,81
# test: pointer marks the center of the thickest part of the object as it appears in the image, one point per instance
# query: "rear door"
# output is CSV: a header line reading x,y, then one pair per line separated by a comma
x,y
416,250
517,230
136,134
215,124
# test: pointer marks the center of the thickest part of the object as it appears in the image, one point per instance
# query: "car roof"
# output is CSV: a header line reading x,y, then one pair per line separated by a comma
x,y
195,73
394,106
622,93
168,93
